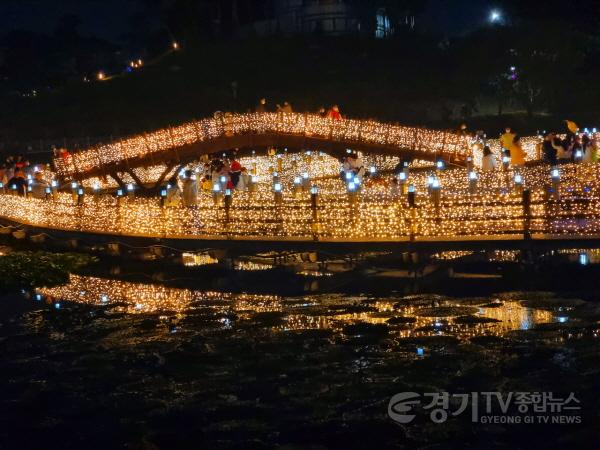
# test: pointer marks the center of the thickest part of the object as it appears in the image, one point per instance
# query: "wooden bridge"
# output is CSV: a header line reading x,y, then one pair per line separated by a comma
x,y
185,143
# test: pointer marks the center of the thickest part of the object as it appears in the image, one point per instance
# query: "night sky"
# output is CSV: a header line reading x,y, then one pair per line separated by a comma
x,y
109,19
104,18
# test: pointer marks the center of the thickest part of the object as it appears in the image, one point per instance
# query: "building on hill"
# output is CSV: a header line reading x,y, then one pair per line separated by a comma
x,y
326,17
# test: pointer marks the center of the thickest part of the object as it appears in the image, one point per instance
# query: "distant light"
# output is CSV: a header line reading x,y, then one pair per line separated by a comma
x,y
101,75
583,259
372,169
57,305
518,179
277,187
305,175
38,297
351,186
440,164
130,187
297,180
216,187
555,173
402,176
495,16
513,68
411,188
104,298
349,176
228,192
472,175
436,183
175,45
314,190
420,351
223,179
562,319
74,185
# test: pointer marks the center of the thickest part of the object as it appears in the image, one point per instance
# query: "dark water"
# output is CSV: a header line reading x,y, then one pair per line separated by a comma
x,y
106,363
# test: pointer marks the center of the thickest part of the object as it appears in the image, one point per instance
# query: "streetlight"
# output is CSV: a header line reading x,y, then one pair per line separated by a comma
x,y
495,16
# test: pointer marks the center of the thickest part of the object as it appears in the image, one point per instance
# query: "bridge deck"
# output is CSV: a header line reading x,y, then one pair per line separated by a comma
x,y
186,142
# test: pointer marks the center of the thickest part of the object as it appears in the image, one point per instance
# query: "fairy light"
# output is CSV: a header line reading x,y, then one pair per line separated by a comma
x,y
379,211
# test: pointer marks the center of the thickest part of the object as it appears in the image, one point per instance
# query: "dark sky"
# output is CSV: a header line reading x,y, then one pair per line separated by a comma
x,y
104,18
109,18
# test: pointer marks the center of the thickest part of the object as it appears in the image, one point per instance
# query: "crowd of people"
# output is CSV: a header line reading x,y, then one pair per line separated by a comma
x,y
263,107
553,150
18,175
226,172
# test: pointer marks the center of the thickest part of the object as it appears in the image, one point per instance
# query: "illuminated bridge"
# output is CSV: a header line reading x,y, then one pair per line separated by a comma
x,y
473,209
177,146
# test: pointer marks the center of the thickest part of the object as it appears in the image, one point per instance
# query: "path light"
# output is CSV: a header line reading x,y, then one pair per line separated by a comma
x,y
104,298
305,181
505,162
584,259
578,155
163,197
439,165
48,192
372,170
411,196
253,183
130,190
297,185
472,182
217,193
518,182
277,191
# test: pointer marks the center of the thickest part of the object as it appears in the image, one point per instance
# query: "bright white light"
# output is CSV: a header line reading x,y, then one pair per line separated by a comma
x,y
518,179
314,190
472,175
495,16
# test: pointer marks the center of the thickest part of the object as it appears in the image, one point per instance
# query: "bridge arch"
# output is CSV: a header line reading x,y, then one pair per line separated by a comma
x,y
187,142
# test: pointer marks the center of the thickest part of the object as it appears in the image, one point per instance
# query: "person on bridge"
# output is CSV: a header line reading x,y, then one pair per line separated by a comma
x,y
262,106
517,154
173,193
286,108
507,138
190,189
235,170
38,186
550,149
18,183
334,113
488,163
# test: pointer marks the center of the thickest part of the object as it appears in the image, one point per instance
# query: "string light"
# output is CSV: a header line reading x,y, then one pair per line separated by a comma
x,y
378,213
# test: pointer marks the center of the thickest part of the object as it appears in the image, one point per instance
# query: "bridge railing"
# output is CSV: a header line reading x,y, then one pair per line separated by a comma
x,y
344,130
571,207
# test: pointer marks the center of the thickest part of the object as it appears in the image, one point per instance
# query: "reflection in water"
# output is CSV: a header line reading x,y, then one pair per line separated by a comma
x,y
413,316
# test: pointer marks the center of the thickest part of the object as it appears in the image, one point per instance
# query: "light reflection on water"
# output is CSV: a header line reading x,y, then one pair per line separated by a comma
x,y
419,315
